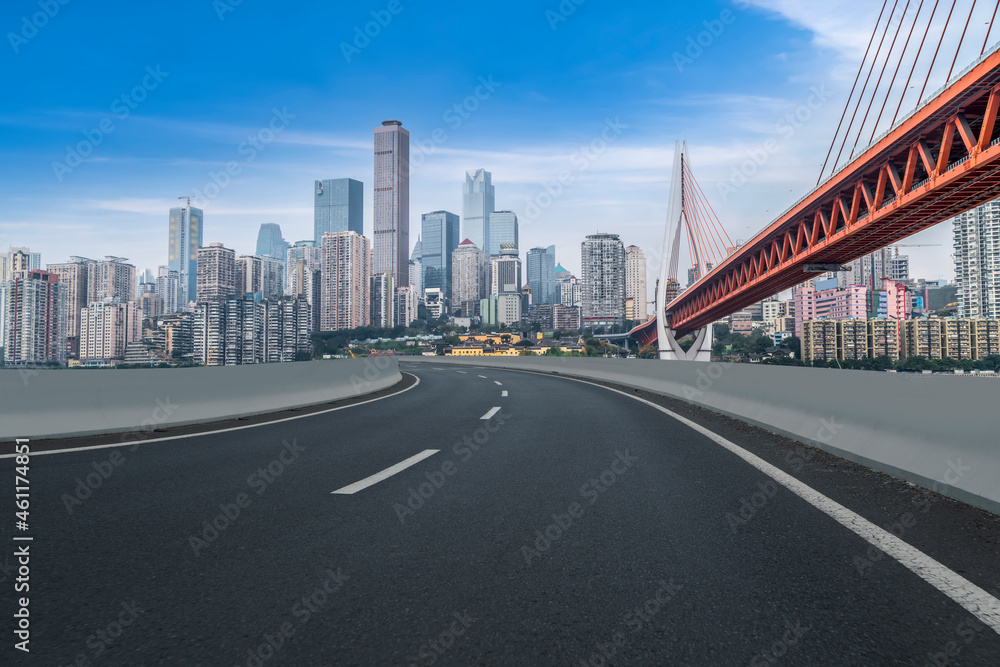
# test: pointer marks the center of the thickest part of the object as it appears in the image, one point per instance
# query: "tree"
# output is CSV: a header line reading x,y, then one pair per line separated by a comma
x,y
649,352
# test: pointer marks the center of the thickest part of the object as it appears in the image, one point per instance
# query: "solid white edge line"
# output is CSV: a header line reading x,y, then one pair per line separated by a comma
x,y
503,393
968,595
221,430
385,474
489,415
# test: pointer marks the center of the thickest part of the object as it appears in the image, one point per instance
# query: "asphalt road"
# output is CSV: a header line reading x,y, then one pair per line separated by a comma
x,y
575,526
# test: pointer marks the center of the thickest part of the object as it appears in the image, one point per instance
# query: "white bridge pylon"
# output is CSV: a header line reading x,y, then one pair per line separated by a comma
x,y
707,241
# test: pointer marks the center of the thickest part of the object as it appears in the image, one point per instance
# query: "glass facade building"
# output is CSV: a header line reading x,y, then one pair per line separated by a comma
x,y
392,201
478,202
542,275
439,239
186,236
502,231
339,207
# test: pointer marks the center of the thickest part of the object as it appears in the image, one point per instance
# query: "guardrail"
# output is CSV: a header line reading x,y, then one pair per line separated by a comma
x,y
938,431
72,402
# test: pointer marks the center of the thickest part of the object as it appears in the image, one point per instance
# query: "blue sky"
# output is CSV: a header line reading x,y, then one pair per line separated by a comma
x,y
557,79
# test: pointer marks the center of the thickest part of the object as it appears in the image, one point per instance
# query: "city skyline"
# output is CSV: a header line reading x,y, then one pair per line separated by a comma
x,y
793,50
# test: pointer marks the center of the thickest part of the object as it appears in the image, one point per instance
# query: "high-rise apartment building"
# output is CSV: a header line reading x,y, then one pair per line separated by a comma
x,y
169,290
470,274
571,292
111,278
438,239
831,303
478,203
602,258
339,207
72,297
503,230
505,273
976,236
106,329
18,259
345,277
261,275
635,283
36,331
392,202
187,227
216,273
541,269
405,306
303,260
381,302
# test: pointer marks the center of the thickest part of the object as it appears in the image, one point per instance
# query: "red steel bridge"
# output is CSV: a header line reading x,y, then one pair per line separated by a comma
x,y
940,160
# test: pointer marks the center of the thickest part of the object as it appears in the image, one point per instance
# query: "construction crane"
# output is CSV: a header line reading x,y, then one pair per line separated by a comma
x,y
188,199
917,245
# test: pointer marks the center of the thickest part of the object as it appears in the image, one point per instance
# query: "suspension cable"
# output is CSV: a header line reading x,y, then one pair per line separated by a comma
x,y
990,29
888,92
915,61
934,59
960,40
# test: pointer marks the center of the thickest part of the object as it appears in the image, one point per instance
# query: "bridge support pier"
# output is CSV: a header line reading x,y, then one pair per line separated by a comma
x,y
670,349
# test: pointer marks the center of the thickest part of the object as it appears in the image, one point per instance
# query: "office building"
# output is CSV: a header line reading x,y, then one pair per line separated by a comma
x,y
216,274
392,202
438,239
187,227
502,230
270,242
35,330
478,202
542,275
602,258
635,283
345,279
339,207
470,275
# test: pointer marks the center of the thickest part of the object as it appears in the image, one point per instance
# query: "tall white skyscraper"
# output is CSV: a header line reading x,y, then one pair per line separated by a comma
x,y
478,202
392,201
976,235
635,284
602,258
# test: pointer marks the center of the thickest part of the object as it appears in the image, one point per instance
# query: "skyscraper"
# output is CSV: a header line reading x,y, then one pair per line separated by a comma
x,y
111,278
506,278
339,207
106,329
976,235
345,277
502,230
260,275
168,288
478,202
186,230
602,258
635,283
270,242
18,259
439,239
72,297
469,278
301,260
216,273
392,201
35,329
381,301
542,275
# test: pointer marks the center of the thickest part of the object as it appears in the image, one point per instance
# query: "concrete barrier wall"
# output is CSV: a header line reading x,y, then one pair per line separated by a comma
x,y
938,431
69,402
